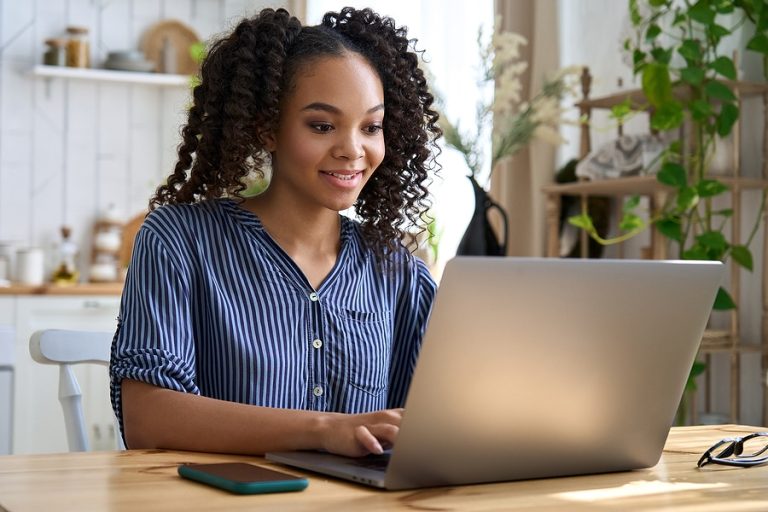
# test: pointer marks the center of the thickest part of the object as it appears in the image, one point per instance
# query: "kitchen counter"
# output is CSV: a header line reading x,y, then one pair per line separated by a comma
x,y
54,289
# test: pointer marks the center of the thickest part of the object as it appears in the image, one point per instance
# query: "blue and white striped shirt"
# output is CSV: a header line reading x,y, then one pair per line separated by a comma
x,y
213,306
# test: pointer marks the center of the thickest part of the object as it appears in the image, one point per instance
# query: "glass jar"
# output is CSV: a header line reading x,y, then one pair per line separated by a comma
x,y
78,48
56,53
66,271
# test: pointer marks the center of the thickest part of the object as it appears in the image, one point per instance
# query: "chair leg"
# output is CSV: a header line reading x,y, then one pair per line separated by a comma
x,y
71,402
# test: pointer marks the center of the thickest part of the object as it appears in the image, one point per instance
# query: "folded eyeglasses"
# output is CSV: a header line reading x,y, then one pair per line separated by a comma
x,y
742,452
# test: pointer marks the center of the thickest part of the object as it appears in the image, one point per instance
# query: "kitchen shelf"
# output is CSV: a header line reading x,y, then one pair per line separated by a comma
x,y
108,75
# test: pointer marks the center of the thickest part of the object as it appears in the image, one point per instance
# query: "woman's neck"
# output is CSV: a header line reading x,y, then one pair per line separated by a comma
x,y
301,234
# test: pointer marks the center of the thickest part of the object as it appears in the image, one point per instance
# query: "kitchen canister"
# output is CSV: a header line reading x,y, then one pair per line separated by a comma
x,y
30,266
6,261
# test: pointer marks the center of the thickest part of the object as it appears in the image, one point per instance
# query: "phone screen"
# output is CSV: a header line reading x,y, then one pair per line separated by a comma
x,y
242,478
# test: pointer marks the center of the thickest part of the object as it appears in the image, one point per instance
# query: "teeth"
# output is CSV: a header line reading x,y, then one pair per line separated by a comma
x,y
342,176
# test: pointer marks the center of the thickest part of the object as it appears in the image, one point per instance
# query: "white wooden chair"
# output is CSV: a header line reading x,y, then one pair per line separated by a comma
x,y
67,348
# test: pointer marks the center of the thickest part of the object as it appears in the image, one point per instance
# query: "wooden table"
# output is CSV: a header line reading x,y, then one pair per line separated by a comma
x,y
144,480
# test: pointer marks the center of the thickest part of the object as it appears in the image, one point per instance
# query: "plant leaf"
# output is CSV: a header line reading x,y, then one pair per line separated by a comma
x,y
687,199
728,116
656,83
638,56
724,66
630,222
690,50
582,221
723,301
713,242
718,31
710,188
726,212
670,227
621,110
652,32
759,43
634,13
672,174
631,203
719,90
696,252
697,369
742,255
693,76
661,55
668,116
700,110
701,12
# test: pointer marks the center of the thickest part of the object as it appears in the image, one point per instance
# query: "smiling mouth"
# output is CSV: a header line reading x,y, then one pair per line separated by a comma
x,y
342,176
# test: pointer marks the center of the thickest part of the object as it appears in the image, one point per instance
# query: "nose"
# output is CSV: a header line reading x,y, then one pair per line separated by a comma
x,y
348,147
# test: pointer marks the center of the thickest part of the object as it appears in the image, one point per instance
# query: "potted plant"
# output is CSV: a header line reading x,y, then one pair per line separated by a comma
x,y
687,79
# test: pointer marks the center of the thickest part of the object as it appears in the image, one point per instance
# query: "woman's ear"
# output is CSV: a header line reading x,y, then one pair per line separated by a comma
x,y
269,142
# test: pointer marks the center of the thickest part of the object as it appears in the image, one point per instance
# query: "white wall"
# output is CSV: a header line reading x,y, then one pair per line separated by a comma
x,y
592,33
69,149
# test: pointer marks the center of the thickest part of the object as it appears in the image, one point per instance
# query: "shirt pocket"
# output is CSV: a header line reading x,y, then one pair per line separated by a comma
x,y
367,340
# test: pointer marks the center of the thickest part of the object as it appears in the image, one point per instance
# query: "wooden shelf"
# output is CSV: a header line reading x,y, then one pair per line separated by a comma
x,y
107,75
730,341
723,341
637,98
642,185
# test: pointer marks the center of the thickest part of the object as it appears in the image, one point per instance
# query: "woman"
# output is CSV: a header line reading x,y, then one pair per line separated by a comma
x,y
275,323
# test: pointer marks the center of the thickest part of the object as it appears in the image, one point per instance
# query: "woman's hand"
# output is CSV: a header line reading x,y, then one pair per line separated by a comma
x,y
356,435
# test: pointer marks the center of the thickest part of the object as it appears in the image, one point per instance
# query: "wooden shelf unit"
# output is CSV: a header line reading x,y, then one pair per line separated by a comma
x,y
714,341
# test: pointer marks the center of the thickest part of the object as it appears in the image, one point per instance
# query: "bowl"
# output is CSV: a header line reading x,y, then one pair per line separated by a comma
x,y
143,66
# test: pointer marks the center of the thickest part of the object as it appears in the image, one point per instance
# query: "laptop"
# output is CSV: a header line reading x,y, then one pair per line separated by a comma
x,y
538,367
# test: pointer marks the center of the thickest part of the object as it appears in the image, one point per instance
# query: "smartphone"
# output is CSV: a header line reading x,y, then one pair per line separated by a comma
x,y
242,478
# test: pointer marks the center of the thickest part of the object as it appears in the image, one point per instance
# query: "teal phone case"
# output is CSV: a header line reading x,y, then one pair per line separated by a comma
x,y
234,477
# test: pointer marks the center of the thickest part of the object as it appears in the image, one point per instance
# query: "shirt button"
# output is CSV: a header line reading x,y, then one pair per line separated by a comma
x,y
313,297
317,343
318,391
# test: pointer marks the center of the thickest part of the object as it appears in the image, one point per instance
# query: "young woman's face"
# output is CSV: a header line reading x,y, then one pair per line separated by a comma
x,y
330,137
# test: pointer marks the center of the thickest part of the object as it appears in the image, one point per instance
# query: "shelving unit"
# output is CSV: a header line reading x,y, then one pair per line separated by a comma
x,y
107,75
714,341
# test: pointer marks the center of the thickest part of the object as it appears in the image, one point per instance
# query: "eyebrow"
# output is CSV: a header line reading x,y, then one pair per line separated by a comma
x,y
325,107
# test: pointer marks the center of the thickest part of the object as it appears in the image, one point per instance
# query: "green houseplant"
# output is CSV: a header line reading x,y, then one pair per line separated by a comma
x,y
686,78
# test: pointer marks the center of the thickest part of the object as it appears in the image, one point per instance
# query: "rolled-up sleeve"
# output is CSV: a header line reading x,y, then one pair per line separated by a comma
x,y
153,342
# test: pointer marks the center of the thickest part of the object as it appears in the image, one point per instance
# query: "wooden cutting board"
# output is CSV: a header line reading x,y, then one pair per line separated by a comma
x,y
180,36
128,236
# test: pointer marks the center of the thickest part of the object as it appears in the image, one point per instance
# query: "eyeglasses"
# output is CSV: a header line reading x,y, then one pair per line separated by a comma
x,y
742,452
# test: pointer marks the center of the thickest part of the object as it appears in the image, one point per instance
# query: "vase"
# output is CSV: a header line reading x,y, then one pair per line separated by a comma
x,y
480,238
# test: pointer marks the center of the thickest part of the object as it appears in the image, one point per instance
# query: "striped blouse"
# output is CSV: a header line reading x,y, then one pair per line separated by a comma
x,y
213,306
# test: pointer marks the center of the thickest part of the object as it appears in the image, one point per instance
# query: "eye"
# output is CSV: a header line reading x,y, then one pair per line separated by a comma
x,y
321,127
373,129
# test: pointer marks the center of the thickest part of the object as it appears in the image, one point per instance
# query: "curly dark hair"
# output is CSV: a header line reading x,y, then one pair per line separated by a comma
x,y
243,79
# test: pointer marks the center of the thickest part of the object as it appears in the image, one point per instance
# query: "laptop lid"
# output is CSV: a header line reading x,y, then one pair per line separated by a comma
x,y
546,367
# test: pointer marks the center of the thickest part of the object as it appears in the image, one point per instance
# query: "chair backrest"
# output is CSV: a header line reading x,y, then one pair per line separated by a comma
x,y
66,348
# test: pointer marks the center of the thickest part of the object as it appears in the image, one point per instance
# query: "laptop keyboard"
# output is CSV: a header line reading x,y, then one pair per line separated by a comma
x,y
372,461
